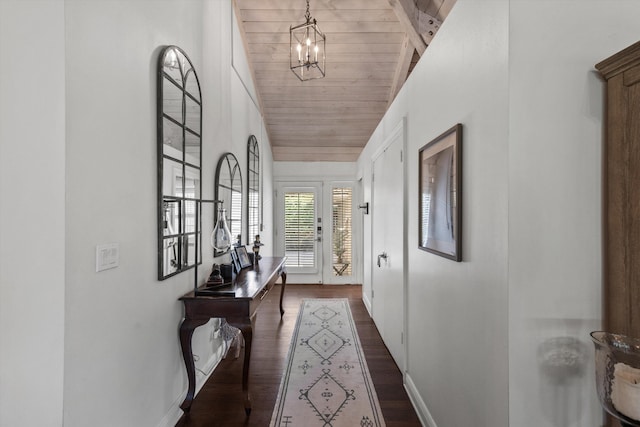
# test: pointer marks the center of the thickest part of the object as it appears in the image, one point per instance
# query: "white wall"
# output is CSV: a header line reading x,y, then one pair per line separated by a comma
x,y
32,209
555,203
484,335
457,312
123,361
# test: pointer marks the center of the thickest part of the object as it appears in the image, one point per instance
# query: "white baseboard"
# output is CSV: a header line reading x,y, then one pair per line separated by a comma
x,y
421,408
175,413
367,303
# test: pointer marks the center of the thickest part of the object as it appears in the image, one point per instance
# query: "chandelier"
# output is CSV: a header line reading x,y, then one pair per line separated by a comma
x,y
307,49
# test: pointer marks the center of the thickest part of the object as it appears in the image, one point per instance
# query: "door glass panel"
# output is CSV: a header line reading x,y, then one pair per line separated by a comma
x,y
341,236
299,229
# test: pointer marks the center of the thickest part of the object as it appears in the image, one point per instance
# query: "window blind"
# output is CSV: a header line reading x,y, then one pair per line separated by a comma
x,y
299,229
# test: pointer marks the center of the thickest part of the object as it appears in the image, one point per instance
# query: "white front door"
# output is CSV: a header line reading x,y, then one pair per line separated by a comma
x,y
387,244
299,232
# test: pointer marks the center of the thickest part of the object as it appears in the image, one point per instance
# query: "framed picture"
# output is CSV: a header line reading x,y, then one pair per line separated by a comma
x,y
243,256
440,195
234,261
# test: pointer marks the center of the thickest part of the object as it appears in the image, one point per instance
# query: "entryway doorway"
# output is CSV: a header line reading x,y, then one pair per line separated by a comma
x,y
318,225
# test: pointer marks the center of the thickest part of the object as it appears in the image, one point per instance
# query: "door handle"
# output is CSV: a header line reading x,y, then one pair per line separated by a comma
x,y
382,255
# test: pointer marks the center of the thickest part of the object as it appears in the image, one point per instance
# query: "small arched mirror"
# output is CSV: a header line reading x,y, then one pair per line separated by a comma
x,y
229,192
253,189
179,127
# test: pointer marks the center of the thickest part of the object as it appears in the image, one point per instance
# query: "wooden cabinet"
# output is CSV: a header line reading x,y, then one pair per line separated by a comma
x,y
621,189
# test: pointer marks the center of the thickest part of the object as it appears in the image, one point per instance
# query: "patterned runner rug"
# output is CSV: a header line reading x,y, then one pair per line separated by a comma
x,y
326,382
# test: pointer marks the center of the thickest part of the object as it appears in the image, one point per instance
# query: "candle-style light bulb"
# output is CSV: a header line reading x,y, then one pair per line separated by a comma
x,y
315,49
299,49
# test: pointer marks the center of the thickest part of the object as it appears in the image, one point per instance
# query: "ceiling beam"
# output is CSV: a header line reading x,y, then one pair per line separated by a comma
x,y
402,68
406,12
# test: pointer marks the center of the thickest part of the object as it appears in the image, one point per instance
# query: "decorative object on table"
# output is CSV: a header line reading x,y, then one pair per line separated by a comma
x,y
327,381
440,189
618,375
243,257
307,45
234,261
221,236
215,278
226,270
256,248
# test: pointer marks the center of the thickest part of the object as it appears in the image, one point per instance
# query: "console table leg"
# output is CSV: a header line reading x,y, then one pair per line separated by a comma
x,y
247,333
246,327
186,333
284,283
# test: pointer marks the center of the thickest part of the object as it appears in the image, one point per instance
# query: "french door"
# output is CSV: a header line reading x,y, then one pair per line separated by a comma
x,y
316,231
299,232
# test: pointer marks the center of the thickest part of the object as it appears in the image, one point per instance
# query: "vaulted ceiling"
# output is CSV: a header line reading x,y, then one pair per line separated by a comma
x,y
371,47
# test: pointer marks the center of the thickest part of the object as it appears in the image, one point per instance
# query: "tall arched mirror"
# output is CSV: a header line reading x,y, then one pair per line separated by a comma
x,y
253,189
179,128
229,192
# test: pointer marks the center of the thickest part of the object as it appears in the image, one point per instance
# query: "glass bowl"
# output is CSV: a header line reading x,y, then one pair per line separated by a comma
x,y
618,375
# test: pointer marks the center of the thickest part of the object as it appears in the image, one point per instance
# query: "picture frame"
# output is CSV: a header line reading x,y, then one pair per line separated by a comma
x,y
440,195
234,261
243,257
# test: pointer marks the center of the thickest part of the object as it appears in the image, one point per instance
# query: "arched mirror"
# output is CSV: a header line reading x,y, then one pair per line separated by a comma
x,y
229,192
179,128
253,189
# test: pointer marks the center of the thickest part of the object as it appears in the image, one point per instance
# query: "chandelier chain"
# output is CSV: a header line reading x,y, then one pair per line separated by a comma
x,y
308,14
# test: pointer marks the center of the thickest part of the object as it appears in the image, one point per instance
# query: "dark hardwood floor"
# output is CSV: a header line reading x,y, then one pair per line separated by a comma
x,y
220,401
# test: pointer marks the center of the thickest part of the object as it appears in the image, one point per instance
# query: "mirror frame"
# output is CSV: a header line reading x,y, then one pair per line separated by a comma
x,y
176,71
254,205
228,163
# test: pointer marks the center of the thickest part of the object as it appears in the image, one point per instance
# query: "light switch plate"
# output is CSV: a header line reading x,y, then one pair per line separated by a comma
x,y
107,256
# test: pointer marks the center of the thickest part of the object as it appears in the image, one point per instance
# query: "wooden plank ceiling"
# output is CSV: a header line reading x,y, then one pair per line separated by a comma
x,y
370,45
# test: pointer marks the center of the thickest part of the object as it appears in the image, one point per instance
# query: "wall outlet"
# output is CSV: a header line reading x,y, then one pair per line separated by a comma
x,y
107,256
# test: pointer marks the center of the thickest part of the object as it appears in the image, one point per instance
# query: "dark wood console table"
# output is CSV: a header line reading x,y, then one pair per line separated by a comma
x,y
237,303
